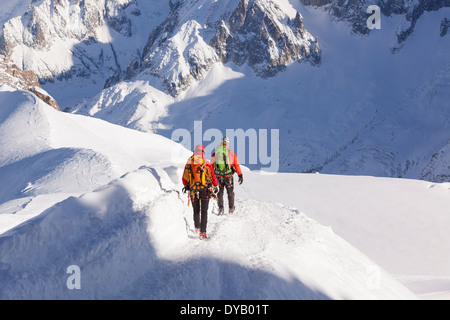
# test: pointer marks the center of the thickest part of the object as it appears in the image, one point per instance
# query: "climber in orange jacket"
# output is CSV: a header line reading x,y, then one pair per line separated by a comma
x,y
199,179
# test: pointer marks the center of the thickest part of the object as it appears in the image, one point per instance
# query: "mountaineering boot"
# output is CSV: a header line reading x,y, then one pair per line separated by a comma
x,y
220,211
231,210
202,236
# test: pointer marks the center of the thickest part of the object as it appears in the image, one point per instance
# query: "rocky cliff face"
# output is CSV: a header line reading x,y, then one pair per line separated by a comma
x,y
16,78
96,40
257,32
438,170
65,39
254,35
413,11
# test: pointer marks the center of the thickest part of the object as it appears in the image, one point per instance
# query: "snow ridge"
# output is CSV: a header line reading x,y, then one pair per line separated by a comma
x,y
132,236
118,236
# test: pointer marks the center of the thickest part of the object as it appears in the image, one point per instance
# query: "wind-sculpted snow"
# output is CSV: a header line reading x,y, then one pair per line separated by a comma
x,y
101,232
105,201
49,172
47,155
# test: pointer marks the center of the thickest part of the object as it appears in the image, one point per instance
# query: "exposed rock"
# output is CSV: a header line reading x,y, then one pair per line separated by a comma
x,y
438,169
445,24
254,35
16,77
24,80
316,3
181,50
44,96
75,32
354,11
256,32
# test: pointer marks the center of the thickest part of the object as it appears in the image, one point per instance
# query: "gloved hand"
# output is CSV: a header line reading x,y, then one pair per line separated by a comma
x,y
186,188
241,179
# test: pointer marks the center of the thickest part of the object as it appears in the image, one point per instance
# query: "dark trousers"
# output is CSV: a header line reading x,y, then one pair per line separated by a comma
x,y
200,206
225,183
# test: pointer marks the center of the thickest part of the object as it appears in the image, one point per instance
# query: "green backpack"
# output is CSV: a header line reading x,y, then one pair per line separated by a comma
x,y
221,161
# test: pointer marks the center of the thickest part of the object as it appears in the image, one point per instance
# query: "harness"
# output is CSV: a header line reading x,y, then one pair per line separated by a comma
x,y
225,181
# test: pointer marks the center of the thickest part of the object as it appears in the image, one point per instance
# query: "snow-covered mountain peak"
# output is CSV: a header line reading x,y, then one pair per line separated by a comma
x,y
176,42
84,40
267,35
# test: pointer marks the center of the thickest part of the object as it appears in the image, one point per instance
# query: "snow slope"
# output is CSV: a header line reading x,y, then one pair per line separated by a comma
x,y
45,152
401,224
132,236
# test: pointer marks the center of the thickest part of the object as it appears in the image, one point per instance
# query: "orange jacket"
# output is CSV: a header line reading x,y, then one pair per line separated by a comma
x,y
233,160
